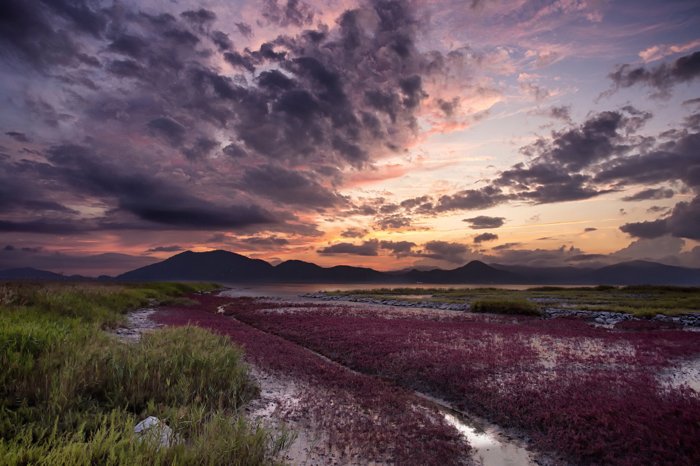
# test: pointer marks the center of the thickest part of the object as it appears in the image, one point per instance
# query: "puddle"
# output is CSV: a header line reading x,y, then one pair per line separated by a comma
x,y
487,450
685,373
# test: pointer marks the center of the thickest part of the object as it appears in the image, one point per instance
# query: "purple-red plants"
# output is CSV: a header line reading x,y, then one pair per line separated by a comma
x,y
596,396
382,421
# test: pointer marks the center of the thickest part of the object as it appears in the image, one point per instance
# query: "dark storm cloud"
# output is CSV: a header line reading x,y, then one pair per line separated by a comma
x,y
367,248
200,19
414,202
169,129
652,229
455,253
18,136
483,222
292,12
651,193
581,162
147,198
35,32
288,187
267,241
245,29
598,138
398,248
562,112
240,61
42,226
472,199
505,246
221,40
683,222
393,222
661,77
485,237
146,144
354,233
173,248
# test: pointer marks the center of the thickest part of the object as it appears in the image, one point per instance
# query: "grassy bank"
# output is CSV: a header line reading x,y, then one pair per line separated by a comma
x,y
641,301
71,394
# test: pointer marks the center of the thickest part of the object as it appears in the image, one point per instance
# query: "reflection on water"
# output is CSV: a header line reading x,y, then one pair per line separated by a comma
x,y
285,290
487,449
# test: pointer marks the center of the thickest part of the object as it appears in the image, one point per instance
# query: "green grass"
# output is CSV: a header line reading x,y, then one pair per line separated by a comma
x,y
71,394
506,306
641,301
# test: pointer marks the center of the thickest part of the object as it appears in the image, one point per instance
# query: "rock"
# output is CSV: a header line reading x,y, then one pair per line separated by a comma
x,y
153,429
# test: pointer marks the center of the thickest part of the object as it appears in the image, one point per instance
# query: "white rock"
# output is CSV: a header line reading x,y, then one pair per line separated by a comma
x,y
154,430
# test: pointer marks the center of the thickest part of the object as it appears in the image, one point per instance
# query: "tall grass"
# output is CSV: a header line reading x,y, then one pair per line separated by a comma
x,y
71,394
506,306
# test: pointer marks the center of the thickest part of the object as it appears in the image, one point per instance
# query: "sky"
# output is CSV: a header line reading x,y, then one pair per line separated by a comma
x,y
382,133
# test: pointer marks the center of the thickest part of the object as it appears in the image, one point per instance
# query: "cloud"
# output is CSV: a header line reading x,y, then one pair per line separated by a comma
x,y
367,248
485,237
483,222
454,253
682,222
265,241
288,187
393,222
398,248
173,248
471,199
18,136
561,112
661,77
651,193
354,233
656,52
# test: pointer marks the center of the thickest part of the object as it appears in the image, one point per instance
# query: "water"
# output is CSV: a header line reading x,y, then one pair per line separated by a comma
x,y
287,290
487,449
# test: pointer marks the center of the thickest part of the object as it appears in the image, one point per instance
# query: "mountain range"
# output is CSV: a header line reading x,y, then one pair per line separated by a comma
x,y
229,267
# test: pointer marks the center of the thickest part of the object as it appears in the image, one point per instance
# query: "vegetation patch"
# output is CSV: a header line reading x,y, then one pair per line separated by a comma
x,y
640,301
506,306
592,395
71,394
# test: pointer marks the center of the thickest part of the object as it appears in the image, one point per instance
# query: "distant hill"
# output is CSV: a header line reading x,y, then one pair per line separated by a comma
x,y
644,272
473,272
28,273
212,265
229,267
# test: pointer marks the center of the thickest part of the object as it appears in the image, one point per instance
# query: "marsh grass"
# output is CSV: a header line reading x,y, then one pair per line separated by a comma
x,y
71,394
641,301
506,306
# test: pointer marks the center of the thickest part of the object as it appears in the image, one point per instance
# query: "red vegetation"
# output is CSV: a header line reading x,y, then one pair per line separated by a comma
x,y
379,419
594,395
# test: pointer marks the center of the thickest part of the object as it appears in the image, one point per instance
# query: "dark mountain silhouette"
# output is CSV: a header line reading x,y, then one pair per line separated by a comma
x,y
216,265
473,272
28,273
549,275
644,272
228,267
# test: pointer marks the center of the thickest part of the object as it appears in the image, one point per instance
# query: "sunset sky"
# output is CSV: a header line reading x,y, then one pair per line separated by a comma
x,y
383,133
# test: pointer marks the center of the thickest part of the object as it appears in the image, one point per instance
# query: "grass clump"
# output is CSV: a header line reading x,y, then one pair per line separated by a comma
x,y
506,306
71,394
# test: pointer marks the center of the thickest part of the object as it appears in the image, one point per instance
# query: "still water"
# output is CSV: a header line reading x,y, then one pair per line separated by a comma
x,y
295,289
